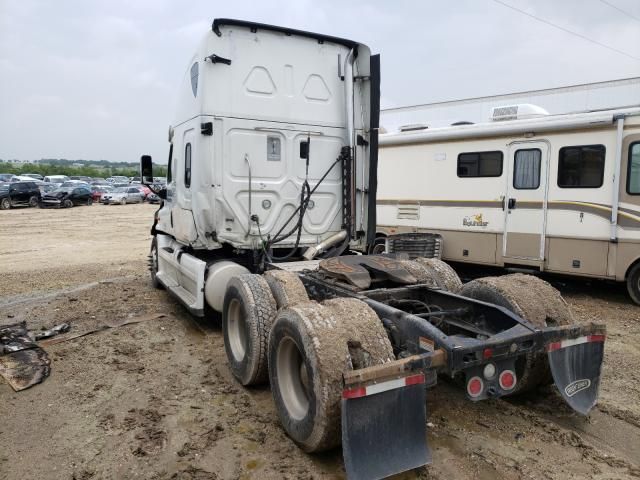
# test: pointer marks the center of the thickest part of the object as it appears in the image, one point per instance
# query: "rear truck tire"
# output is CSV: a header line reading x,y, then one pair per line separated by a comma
x,y
33,201
5,204
420,272
532,299
67,203
286,287
153,264
247,315
310,347
633,283
445,277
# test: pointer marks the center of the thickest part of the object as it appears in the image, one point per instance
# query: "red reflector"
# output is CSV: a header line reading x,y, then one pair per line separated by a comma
x,y
474,386
354,392
554,346
507,380
487,353
597,338
414,379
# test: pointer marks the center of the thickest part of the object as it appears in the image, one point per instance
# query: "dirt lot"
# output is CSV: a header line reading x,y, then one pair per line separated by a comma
x,y
156,400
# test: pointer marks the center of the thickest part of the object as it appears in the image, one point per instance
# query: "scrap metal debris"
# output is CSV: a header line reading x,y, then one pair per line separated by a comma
x,y
22,362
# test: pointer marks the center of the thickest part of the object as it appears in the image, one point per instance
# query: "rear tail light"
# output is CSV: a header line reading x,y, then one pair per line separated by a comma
x,y
475,385
507,380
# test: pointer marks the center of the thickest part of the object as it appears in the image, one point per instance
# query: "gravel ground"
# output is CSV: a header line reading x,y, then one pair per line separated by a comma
x,y
155,400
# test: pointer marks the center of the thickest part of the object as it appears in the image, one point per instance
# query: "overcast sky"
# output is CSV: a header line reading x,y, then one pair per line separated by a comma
x,y
97,79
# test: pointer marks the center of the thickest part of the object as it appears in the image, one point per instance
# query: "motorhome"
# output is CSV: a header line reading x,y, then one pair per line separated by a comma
x,y
556,193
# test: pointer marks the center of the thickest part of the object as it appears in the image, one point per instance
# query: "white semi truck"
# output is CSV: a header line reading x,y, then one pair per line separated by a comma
x,y
268,211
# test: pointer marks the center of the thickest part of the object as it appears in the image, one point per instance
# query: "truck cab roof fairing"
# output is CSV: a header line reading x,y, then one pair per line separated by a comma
x,y
218,22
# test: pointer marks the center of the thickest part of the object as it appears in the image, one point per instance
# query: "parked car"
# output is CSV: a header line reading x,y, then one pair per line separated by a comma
x,y
66,197
76,183
6,177
47,187
19,194
97,191
56,178
37,176
153,198
82,178
123,195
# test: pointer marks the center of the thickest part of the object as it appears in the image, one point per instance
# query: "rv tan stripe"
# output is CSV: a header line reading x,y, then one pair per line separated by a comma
x,y
627,217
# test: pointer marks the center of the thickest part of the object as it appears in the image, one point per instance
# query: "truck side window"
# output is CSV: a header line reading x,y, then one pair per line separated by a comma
x,y
480,164
581,166
169,163
187,165
526,169
633,172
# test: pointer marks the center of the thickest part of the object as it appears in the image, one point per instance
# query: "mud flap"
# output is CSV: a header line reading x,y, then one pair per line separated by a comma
x,y
384,428
576,365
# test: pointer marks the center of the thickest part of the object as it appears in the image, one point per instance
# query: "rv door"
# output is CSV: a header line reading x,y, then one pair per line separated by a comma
x,y
525,204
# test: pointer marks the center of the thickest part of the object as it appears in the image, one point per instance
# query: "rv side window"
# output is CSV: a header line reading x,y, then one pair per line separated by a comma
x,y
187,165
169,164
480,164
633,174
581,167
526,169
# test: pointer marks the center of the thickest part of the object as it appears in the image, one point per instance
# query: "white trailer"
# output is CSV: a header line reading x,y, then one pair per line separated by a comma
x,y
268,207
556,193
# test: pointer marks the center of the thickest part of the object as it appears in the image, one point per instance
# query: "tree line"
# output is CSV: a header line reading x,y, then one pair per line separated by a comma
x,y
64,168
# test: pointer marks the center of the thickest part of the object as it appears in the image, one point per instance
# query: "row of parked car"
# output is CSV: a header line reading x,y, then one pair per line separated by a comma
x,y
18,191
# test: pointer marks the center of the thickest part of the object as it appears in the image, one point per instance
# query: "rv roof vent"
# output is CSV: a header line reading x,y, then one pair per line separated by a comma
x,y
413,127
517,112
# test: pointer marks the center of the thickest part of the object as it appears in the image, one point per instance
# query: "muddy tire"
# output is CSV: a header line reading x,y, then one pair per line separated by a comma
x,y
247,315
33,201
286,287
444,276
5,204
309,349
534,300
153,264
421,273
633,283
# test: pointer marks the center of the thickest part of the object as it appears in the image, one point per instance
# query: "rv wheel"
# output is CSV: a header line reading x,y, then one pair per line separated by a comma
x,y
532,299
633,283
310,347
248,312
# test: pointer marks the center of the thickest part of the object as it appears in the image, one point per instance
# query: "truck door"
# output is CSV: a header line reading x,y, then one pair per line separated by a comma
x,y
525,204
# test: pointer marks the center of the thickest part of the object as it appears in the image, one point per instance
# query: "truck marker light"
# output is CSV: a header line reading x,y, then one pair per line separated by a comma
x,y
574,341
487,353
358,392
475,386
507,380
489,371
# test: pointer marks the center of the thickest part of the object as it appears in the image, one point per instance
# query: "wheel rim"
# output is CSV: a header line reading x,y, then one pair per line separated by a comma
x,y
68,203
5,203
33,201
237,330
378,248
293,381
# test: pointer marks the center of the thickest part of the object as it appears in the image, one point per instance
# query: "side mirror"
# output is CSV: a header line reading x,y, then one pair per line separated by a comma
x,y
146,170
